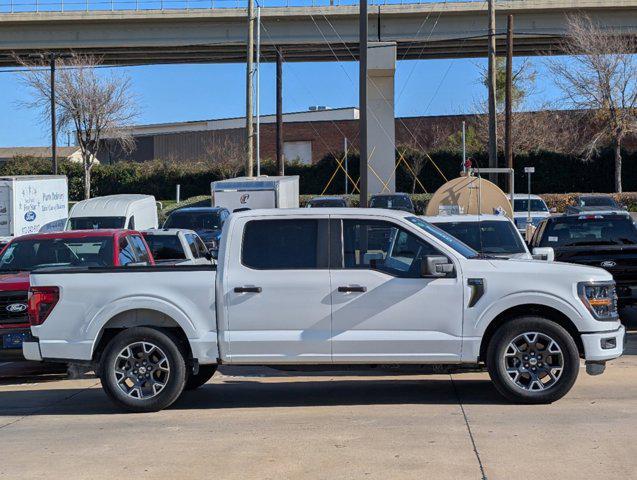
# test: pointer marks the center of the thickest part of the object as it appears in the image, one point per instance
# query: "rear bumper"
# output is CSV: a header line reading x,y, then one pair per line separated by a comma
x,y
603,346
31,351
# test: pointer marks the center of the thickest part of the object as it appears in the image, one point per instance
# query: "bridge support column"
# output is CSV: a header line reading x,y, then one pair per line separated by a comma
x,y
381,131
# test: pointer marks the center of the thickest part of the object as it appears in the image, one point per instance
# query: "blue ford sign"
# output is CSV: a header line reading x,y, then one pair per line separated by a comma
x,y
29,216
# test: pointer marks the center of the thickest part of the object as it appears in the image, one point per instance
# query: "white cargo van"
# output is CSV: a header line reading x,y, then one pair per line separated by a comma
x,y
249,193
136,212
32,204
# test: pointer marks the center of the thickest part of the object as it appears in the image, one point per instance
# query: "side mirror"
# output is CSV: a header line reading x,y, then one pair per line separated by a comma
x,y
436,266
212,254
553,210
544,253
208,255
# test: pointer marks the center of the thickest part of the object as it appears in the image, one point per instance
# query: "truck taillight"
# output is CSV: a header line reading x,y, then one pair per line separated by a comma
x,y
41,303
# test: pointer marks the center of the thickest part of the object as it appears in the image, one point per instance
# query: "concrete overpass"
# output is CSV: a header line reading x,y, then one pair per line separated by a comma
x,y
425,30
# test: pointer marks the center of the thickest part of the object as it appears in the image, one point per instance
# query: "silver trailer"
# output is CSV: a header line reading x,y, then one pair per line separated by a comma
x,y
243,193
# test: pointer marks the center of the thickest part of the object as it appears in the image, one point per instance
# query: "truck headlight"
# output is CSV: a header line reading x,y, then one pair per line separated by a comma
x,y
600,298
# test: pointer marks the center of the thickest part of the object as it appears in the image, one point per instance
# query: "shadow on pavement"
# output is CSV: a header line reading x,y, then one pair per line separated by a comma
x,y
253,394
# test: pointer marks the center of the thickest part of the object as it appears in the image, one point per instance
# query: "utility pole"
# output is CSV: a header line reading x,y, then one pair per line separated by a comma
x,y
249,107
280,160
493,132
362,100
54,148
258,99
508,140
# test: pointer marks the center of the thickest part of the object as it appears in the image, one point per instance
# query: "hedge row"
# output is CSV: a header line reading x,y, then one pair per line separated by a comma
x,y
554,174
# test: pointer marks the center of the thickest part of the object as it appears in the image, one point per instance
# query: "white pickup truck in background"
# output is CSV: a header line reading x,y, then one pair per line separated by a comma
x,y
331,287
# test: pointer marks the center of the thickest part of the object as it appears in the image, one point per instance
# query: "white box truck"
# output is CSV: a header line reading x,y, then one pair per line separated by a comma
x,y
250,193
32,204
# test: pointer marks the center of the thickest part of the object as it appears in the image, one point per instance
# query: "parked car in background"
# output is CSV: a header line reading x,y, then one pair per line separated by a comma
x,y
494,235
84,248
135,212
206,221
594,203
393,201
521,203
303,287
327,202
605,240
177,247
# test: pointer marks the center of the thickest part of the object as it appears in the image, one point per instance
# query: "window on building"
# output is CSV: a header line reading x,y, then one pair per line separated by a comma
x,y
300,152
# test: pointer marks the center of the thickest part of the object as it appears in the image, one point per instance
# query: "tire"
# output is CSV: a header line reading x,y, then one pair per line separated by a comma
x,y
147,354
532,360
205,373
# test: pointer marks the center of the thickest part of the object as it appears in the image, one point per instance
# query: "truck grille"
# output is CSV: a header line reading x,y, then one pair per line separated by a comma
x,y
13,307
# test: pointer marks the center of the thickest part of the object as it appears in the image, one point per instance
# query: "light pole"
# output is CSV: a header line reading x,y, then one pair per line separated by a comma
x,y
362,100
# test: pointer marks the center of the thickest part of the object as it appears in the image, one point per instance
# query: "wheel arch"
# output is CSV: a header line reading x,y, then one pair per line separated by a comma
x,y
140,317
525,310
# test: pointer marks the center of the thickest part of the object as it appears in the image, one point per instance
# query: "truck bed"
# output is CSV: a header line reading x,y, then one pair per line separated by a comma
x,y
91,297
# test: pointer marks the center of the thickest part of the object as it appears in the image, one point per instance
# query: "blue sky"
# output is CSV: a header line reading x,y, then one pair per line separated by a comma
x,y
169,93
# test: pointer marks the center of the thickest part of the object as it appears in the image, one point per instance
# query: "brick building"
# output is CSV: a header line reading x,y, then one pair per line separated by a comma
x,y
307,136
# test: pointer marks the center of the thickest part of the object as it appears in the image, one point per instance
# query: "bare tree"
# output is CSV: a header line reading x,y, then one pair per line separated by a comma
x,y
226,154
96,106
600,82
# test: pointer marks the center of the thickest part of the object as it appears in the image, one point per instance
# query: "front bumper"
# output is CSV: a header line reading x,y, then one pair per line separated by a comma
x,y
596,345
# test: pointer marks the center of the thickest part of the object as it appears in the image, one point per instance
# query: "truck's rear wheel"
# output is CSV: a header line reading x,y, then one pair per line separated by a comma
x,y
143,370
205,373
532,360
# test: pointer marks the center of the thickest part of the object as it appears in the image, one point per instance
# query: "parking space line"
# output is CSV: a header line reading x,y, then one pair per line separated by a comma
x,y
466,422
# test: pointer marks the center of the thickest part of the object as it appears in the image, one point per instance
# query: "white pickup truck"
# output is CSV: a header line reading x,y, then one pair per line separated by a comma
x,y
328,287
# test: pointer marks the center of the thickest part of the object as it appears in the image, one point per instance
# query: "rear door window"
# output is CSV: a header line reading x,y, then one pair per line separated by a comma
x,y
141,252
126,252
284,244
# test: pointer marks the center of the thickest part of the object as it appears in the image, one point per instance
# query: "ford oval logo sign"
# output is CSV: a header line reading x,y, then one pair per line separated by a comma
x,y
16,308
608,264
29,216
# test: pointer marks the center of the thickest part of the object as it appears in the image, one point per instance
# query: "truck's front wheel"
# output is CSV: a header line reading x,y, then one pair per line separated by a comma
x,y
143,370
532,360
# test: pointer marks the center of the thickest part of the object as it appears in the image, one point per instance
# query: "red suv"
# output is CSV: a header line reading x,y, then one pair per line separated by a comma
x,y
79,248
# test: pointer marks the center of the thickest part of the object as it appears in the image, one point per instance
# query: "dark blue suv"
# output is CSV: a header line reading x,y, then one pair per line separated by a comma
x,y
206,221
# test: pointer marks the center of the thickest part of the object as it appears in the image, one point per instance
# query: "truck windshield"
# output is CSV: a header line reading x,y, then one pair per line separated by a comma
x,y
452,242
589,230
522,205
489,236
165,247
194,220
95,223
28,255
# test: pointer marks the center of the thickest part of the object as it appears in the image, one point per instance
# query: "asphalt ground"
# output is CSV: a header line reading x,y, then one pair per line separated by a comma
x,y
258,423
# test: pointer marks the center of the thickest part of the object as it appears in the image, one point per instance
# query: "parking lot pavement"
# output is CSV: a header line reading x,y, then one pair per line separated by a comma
x,y
257,423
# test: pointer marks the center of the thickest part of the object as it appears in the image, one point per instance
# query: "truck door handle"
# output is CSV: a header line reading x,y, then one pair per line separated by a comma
x,y
352,288
247,289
